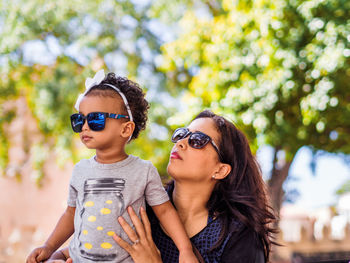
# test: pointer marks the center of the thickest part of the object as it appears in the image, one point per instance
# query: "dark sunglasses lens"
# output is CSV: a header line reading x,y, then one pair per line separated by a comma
x,y
96,121
179,134
77,122
198,140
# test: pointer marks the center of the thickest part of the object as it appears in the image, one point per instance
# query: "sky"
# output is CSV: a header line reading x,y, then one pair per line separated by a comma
x,y
317,190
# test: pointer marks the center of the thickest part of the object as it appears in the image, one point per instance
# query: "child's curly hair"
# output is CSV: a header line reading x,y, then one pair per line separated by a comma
x,y
135,96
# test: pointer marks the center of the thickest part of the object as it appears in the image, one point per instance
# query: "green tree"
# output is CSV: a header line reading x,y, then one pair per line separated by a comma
x,y
279,69
48,48
344,188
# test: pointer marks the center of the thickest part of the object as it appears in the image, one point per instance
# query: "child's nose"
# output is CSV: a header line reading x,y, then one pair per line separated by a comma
x,y
85,126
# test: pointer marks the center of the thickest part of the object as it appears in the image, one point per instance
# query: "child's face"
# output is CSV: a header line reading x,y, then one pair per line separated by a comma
x,y
110,137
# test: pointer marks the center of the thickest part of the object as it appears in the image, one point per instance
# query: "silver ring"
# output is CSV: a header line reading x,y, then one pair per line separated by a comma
x,y
136,242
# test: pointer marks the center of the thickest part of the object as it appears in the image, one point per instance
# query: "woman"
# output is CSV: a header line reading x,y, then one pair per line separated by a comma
x,y
220,196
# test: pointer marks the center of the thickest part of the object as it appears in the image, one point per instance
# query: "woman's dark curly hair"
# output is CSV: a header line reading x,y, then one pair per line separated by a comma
x,y
242,193
134,95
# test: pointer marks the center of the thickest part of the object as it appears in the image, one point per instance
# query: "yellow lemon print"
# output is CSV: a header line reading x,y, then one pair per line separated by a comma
x,y
92,218
110,233
105,211
89,204
99,228
106,245
85,232
109,202
88,245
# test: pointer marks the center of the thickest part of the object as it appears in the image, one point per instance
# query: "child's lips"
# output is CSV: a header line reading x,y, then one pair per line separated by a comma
x,y
86,138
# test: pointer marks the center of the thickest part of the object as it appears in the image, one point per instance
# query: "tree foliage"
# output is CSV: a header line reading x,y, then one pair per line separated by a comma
x,y
345,188
279,69
47,51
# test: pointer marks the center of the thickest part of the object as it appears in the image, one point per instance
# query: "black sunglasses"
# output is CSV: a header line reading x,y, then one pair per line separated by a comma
x,y
196,139
95,120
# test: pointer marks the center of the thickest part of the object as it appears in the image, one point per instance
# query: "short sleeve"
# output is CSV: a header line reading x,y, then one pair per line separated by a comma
x,y
72,192
244,246
155,193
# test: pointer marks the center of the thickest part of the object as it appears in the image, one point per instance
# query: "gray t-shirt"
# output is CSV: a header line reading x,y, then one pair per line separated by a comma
x,y
101,193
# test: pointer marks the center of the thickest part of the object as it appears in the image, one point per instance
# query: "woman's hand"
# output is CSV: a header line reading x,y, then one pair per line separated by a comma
x,y
143,250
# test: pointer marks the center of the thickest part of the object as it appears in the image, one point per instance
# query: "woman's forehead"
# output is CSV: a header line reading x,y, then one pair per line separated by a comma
x,y
205,125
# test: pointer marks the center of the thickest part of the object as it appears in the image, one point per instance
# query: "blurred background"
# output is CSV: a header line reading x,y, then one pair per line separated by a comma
x,y
279,69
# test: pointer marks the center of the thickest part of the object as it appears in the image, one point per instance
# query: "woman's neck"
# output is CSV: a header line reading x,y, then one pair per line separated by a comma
x,y
191,201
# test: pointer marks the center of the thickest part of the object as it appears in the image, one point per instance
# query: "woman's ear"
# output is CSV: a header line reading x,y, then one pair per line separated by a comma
x,y
223,170
127,129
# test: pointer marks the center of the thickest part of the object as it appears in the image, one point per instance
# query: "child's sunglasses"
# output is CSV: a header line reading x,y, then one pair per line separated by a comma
x,y
196,139
95,120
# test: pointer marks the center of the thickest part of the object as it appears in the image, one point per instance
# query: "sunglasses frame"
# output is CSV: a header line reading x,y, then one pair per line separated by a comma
x,y
105,114
189,134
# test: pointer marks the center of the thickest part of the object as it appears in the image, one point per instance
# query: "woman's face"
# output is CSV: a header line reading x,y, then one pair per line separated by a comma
x,y
187,163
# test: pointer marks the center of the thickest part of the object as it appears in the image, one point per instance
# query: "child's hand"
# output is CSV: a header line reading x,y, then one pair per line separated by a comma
x,y
55,261
69,260
39,254
59,261
187,256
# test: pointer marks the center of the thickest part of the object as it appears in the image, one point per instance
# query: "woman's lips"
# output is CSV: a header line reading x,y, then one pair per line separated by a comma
x,y
175,155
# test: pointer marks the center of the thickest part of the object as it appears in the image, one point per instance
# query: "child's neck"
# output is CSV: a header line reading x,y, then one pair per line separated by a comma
x,y
110,156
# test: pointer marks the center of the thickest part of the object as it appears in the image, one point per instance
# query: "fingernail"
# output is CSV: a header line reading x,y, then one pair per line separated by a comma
x,y
142,209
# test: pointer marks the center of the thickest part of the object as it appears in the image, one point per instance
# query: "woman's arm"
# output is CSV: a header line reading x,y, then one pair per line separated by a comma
x,y
143,250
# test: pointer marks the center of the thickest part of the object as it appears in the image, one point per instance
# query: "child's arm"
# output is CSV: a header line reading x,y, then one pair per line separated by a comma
x,y
63,230
171,222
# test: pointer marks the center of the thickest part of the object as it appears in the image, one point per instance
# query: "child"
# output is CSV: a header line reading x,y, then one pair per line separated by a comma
x,y
112,111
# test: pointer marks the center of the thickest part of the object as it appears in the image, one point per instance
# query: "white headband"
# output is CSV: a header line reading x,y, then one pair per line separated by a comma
x,y
91,82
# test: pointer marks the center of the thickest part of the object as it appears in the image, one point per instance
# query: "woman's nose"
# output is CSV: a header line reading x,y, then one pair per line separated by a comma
x,y
182,143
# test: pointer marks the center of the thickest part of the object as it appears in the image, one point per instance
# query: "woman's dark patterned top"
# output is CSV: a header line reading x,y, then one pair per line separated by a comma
x,y
240,244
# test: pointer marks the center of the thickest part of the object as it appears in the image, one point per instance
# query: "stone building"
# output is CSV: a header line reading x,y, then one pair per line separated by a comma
x,y
320,235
